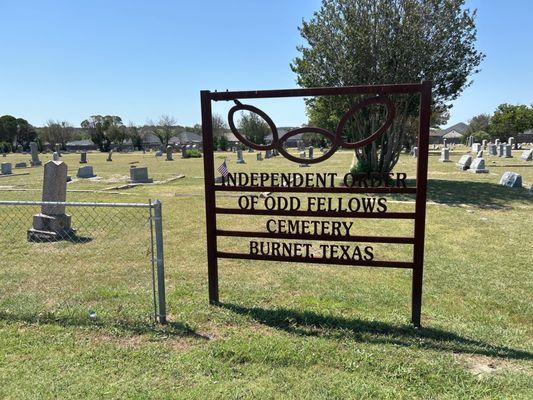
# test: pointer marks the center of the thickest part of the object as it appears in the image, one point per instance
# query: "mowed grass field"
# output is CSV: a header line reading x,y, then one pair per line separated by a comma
x,y
283,330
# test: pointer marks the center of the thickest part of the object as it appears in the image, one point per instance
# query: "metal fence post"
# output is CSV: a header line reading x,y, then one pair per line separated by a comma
x,y
158,218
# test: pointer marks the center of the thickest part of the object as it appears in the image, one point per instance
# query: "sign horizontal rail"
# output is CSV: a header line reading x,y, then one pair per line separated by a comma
x,y
334,238
328,214
327,91
361,263
349,190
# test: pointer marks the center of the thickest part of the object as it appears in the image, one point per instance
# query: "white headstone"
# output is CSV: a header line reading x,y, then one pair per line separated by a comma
x,y
511,179
478,166
464,162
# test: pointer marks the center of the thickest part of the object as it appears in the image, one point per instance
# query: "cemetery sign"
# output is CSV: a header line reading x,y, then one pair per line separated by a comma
x,y
309,223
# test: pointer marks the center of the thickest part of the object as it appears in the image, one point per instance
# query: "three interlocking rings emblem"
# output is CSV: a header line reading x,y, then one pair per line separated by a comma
x,y
336,138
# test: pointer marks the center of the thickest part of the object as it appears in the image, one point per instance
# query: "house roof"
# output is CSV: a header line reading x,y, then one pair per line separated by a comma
x,y
185,137
454,131
83,142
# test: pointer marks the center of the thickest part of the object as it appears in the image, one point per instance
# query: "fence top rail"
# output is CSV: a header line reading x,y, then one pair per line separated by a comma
x,y
73,204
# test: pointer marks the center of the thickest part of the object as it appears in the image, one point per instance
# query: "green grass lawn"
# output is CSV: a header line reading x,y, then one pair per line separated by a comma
x,y
282,330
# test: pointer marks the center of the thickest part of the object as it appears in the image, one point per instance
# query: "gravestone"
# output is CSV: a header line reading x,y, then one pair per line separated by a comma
x,y
492,149
21,165
34,155
52,223
464,162
500,149
55,156
414,152
85,172
311,151
58,149
6,168
268,154
139,175
259,157
476,147
169,153
159,153
527,155
445,155
250,150
507,153
497,142
478,166
303,164
511,179
479,154
445,142
240,159
83,157
484,144
511,142
184,153
110,156
300,145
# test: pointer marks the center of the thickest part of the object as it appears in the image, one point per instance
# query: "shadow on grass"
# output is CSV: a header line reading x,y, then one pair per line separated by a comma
x,y
308,323
478,194
175,329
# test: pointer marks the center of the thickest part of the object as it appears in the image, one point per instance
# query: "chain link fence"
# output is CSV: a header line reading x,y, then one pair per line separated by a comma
x,y
82,262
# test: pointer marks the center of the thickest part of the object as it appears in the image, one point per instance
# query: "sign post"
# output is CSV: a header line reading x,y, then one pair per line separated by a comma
x,y
335,237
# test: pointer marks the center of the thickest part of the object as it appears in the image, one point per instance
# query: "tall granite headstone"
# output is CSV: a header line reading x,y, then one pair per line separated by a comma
x,y
52,223
34,155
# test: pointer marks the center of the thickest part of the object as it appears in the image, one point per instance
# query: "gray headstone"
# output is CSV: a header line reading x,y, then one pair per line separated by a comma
x,y
500,150
21,165
414,152
464,162
52,223
507,151
259,157
445,142
478,166
6,168
268,153
139,175
110,156
240,159
55,156
34,154
303,156
54,186
311,152
159,153
511,179
492,149
445,155
83,157
184,152
169,153
484,144
85,172
58,149
527,155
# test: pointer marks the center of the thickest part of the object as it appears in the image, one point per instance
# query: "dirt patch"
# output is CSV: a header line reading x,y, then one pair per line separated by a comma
x,y
482,366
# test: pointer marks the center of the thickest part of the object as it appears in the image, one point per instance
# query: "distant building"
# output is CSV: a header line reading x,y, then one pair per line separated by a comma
x,y
453,134
81,145
525,137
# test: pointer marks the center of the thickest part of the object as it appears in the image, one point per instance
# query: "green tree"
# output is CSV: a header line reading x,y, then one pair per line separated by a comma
x,y
355,42
57,132
479,123
509,120
98,125
253,127
164,129
16,131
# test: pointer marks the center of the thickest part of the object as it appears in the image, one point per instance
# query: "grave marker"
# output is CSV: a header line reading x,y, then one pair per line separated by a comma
x,y
34,155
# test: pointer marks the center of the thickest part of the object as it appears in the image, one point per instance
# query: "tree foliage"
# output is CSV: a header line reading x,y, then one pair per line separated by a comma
x,y
164,129
479,123
103,129
15,132
253,127
509,120
57,132
355,42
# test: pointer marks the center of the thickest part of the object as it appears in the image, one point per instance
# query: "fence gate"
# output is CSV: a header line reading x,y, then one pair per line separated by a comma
x,y
329,244
108,267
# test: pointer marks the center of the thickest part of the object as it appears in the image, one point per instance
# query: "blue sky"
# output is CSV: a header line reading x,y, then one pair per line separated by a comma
x,y
68,59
